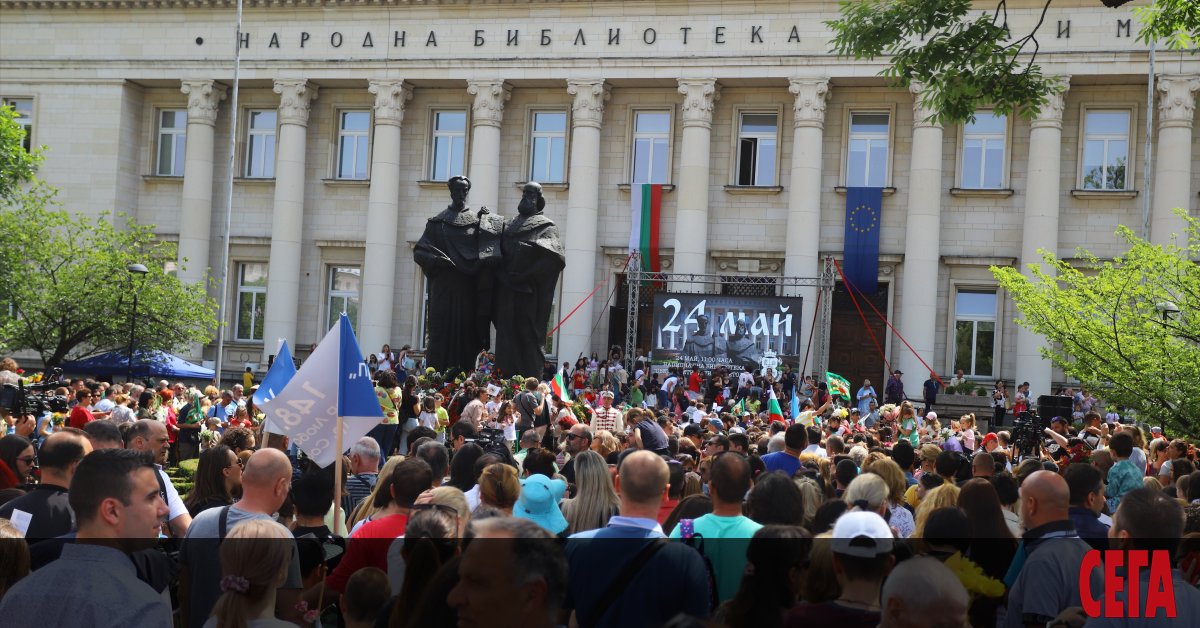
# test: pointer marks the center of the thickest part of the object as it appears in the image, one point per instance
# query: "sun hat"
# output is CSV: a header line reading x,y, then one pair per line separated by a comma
x,y
862,534
539,502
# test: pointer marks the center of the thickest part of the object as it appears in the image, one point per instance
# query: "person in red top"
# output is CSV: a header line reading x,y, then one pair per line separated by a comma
x,y
694,382
80,415
674,490
368,547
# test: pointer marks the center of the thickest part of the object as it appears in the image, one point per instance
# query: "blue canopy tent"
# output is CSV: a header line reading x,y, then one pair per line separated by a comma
x,y
146,363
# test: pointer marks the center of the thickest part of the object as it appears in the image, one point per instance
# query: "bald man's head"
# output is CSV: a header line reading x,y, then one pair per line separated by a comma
x,y
644,477
265,467
1045,497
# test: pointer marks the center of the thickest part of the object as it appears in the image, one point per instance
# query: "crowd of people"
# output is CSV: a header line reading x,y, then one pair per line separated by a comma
x,y
630,500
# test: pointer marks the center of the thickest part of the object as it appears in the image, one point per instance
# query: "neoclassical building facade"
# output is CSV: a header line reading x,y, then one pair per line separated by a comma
x,y
351,115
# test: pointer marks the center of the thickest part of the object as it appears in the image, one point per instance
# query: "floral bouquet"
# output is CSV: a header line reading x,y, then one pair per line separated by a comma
x,y
582,412
889,412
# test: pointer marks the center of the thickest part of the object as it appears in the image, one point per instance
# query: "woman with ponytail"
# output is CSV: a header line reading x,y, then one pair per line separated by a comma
x,y
430,541
254,563
776,563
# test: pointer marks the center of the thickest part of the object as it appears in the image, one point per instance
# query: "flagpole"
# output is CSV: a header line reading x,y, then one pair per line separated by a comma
x,y
337,481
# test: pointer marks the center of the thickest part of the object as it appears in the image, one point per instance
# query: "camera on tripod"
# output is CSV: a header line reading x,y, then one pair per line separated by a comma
x,y
1027,435
36,399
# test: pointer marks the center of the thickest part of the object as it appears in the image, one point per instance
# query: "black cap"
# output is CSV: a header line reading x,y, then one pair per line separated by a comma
x,y
897,372
692,429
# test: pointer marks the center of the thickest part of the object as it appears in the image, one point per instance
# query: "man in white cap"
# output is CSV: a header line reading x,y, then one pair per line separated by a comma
x,y
862,555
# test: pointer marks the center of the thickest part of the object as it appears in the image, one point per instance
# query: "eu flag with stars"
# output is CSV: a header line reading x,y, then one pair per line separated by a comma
x,y
864,207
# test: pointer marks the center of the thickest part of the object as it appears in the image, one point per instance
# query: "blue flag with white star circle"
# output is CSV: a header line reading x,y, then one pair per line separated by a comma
x,y
864,208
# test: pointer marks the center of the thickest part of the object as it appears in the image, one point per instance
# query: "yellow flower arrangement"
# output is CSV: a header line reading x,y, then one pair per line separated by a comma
x,y
972,577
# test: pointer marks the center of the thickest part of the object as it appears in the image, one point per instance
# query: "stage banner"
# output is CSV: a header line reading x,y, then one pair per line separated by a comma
x,y
738,332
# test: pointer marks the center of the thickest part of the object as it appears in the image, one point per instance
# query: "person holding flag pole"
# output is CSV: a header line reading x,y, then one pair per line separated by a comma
x,y
328,402
282,370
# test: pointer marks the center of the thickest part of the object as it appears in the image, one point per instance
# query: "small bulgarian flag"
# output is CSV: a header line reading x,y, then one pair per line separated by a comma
x,y
559,388
838,385
774,412
645,208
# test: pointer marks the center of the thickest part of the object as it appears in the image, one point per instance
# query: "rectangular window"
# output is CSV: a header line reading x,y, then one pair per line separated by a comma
x,y
172,142
983,151
260,145
651,146
757,141
867,153
23,107
1105,149
354,140
449,145
252,300
975,332
548,147
345,288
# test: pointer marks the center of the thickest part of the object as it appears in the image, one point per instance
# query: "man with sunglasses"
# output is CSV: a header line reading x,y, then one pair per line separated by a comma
x,y
577,441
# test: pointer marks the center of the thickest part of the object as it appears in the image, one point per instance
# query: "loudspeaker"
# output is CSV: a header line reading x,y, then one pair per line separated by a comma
x,y
1050,406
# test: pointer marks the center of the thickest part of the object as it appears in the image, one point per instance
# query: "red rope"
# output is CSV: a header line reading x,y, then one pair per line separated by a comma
x,y
811,332
585,299
883,318
850,291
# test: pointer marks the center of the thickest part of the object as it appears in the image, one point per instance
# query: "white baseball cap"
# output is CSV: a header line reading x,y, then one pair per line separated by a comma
x,y
862,534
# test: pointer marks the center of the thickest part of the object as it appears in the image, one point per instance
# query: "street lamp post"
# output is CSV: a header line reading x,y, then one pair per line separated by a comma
x,y
141,270
1169,311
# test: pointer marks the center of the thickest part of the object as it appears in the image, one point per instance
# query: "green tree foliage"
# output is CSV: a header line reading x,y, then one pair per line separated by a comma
x,y
966,59
70,296
17,166
1106,329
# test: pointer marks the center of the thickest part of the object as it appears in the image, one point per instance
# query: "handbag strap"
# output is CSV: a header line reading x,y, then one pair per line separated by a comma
x,y
621,582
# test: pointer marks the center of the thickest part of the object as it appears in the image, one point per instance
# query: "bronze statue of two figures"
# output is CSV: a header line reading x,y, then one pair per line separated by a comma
x,y
484,269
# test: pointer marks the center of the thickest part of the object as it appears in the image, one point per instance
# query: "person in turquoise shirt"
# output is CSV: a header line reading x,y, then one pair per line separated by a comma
x,y
724,533
1124,476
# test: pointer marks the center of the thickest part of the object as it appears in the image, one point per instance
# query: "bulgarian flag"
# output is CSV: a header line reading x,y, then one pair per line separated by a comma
x,y
645,209
774,412
559,388
838,385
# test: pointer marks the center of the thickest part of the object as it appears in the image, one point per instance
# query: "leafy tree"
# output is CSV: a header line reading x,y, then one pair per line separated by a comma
x,y
70,295
966,60
16,164
1106,329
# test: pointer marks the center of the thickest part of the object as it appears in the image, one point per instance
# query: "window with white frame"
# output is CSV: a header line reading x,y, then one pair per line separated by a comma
x,y
1105,149
867,152
354,141
975,332
983,157
260,144
345,290
23,107
756,152
251,300
449,148
651,147
548,147
172,142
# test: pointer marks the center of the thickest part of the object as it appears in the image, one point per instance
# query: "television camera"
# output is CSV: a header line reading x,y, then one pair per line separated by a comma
x,y
35,399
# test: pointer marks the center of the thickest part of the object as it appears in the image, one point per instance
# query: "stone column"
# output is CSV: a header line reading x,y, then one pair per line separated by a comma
x,y
383,214
287,218
1040,228
195,218
583,205
691,210
487,115
804,195
1173,158
918,297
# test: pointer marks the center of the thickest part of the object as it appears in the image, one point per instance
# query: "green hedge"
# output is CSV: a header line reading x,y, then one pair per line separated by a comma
x,y
186,469
183,487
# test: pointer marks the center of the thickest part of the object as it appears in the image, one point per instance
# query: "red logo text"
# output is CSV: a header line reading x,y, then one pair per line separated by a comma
x,y
1122,575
